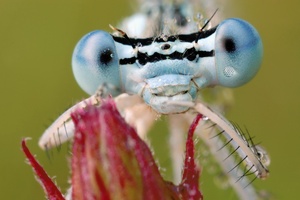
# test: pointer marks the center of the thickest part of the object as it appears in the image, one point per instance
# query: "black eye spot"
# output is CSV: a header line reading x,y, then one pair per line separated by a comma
x,y
229,45
106,56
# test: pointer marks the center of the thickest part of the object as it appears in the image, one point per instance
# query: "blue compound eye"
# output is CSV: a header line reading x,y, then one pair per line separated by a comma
x,y
95,63
238,52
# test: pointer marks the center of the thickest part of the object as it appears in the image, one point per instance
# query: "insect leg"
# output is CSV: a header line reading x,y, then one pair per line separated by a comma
x,y
62,129
178,126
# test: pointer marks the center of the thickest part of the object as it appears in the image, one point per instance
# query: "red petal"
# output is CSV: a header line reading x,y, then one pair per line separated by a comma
x,y
110,161
189,186
50,188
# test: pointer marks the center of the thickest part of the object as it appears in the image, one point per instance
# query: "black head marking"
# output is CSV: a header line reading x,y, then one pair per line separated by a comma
x,y
165,46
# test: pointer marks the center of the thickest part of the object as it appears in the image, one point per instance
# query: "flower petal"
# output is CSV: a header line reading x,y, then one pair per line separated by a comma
x,y
189,186
109,159
50,188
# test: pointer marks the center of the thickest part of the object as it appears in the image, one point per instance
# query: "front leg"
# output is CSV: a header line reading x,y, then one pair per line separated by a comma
x,y
178,126
136,113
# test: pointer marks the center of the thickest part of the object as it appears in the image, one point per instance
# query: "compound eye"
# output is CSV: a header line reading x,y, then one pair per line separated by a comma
x,y
238,52
95,62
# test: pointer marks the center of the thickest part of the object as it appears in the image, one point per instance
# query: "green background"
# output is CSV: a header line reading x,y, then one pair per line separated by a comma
x,y
36,83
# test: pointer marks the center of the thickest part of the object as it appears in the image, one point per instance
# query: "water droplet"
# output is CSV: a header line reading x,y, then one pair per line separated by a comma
x,y
204,118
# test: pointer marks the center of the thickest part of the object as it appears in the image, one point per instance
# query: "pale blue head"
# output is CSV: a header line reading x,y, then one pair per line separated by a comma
x,y
174,69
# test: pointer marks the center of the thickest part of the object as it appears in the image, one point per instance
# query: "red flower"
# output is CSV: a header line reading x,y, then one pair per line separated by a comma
x,y
110,161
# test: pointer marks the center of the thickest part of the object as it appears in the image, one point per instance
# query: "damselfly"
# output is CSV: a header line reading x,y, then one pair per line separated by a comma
x,y
159,61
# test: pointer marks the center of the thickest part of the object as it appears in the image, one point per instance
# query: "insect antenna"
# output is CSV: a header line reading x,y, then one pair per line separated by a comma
x,y
204,26
123,35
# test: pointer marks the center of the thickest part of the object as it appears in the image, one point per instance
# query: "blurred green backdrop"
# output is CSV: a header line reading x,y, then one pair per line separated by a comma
x,y
37,40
